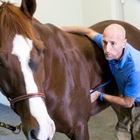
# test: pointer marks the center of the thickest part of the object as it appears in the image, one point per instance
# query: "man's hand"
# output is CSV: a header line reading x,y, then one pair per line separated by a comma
x,y
94,96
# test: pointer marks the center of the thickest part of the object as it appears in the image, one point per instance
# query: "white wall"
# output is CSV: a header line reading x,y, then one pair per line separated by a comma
x,y
3,100
58,12
132,12
94,11
86,12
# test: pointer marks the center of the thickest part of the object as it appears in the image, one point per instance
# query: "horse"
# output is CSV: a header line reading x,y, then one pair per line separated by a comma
x,y
47,74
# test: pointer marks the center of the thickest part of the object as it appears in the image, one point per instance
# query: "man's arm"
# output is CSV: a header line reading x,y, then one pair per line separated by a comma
x,y
80,30
122,101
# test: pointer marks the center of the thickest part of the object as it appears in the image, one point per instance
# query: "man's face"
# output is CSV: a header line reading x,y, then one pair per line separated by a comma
x,y
113,45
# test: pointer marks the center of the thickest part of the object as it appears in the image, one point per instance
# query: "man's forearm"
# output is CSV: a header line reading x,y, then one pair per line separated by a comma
x,y
122,101
80,30
76,29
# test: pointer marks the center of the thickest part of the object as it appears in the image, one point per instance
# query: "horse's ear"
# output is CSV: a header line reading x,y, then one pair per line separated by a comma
x,y
28,7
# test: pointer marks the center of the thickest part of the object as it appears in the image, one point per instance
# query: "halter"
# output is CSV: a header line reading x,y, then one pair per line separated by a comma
x,y
21,98
24,97
17,129
100,86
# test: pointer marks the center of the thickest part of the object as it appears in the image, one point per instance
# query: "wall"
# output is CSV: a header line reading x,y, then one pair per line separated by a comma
x,y
86,12
131,11
3,100
58,12
94,11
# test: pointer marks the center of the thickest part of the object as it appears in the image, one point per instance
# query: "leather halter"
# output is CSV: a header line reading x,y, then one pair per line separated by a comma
x,y
24,97
17,129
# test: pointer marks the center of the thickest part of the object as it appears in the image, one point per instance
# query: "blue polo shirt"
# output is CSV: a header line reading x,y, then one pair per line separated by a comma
x,y
126,71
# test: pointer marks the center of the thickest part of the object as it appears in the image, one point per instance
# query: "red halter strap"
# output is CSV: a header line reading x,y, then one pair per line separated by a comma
x,y
24,97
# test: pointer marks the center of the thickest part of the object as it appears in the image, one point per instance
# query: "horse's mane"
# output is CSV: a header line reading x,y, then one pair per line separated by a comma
x,y
13,21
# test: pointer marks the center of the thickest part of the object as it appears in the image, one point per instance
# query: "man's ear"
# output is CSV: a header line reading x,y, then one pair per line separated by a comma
x,y
125,41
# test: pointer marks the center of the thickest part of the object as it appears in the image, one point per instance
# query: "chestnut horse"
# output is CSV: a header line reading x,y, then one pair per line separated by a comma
x,y
47,74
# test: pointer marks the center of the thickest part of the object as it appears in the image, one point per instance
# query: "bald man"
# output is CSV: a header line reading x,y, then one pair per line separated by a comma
x,y
123,61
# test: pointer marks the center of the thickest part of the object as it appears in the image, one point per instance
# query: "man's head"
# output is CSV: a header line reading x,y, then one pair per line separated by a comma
x,y
114,41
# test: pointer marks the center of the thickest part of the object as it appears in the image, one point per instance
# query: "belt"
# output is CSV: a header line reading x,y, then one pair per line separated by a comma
x,y
136,104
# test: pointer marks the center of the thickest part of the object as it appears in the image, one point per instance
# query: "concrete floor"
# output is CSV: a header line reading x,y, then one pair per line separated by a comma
x,y
101,126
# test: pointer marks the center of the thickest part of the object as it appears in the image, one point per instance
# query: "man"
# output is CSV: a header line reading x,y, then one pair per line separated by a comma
x,y
124,64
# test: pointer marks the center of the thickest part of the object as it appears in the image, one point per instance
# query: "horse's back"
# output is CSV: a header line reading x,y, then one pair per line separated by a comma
x,y
132,33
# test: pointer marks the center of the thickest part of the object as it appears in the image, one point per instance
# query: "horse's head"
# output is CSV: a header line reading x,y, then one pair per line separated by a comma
x,y
22,69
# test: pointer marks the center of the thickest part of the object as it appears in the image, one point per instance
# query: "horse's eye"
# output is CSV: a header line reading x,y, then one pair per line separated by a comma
x,y
33,65
1,63
44,50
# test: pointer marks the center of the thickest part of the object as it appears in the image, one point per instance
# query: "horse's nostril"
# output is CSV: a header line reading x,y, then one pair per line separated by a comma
x,y
33,135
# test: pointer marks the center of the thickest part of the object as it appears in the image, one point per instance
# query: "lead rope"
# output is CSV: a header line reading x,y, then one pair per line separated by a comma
x,y
15,129
99,87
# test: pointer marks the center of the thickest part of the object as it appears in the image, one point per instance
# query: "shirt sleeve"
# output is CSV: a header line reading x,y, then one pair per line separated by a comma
x,y
98,39
132,88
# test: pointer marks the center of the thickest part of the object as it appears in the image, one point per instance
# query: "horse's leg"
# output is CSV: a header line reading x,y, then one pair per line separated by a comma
x,y
98,106
116,108
79,132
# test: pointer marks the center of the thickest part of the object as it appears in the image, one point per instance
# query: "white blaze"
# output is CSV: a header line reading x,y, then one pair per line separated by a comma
x,y
22,49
